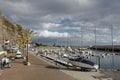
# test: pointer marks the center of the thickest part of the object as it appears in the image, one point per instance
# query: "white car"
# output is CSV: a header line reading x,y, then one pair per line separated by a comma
x,y
14,48
18,55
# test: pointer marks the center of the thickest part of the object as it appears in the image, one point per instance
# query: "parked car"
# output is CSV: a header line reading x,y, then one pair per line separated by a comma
x,y
14,49
18,55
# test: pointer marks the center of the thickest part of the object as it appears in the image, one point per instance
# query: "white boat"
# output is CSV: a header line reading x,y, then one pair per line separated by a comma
x,y
83,63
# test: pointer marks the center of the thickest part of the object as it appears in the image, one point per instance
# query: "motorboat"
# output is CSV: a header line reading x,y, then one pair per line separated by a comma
x,y
83,63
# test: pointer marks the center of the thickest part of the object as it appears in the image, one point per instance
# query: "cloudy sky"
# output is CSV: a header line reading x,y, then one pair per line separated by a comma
x,y
67,22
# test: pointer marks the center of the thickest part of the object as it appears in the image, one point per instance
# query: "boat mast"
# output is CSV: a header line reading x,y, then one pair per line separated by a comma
x,y
95,38
112,39
112,46
81,38
96,48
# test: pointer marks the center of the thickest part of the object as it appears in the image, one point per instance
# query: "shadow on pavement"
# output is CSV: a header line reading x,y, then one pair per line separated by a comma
x,y
65,68
39,64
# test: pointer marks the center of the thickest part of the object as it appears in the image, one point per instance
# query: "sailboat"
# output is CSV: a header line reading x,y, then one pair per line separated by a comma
x,y
82,62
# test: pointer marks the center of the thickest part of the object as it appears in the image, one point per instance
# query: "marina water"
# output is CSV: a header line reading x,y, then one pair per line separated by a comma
x,y
106,62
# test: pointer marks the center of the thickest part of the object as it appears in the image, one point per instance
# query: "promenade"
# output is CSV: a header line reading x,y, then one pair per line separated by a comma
x,y
38,70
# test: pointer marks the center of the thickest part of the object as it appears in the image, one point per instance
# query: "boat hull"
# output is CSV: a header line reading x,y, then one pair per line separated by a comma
x,y
81,65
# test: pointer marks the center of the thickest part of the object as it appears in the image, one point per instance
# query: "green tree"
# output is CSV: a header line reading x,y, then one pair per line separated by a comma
x,y
21,42
27,36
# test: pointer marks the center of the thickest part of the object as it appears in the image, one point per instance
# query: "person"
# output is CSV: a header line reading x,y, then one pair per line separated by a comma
x,y
5,62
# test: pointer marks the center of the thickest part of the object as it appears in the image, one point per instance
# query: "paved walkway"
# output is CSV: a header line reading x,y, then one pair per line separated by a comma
x,y
39,70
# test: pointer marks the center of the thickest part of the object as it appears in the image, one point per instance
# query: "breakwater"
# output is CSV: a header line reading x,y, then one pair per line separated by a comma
x,y
107,48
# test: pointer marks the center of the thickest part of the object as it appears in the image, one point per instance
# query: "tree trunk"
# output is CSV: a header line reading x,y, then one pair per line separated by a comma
x,y
27,57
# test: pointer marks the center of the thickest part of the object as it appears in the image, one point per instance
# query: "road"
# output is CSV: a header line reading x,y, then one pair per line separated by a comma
x,y
38,70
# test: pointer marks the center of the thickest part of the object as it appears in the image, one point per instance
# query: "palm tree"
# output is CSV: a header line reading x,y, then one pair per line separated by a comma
x,y
21,42
27,36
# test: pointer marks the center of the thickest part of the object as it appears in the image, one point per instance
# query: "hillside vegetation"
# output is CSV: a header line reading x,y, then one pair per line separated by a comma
x,y
8,29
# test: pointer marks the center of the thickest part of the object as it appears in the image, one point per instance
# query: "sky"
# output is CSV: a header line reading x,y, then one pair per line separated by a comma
x,y
67,22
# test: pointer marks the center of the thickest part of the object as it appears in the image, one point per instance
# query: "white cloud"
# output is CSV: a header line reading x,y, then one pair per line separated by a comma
x,y
50,34
46,16
56,26
50,25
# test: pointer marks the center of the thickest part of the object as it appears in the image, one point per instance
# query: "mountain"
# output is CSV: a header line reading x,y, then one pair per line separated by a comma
x,y
8,29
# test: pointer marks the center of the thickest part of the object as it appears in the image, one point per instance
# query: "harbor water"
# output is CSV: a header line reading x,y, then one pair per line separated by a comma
x,y
106,62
